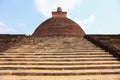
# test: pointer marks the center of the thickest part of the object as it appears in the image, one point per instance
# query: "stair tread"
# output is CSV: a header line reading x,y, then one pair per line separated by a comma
x,y
63,62
60,71
62,66
60,74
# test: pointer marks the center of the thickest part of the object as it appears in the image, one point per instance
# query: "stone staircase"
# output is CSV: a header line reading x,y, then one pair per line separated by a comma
x,y
58,58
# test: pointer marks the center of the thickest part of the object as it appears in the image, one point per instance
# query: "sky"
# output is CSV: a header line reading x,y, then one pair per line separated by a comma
x,y
94,16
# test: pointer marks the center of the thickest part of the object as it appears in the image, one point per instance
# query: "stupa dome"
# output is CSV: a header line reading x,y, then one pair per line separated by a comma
x,y
58,25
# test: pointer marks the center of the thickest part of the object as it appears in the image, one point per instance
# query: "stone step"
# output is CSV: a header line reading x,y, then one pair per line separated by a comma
x,y
76,48
55,50
54,56
82,77
56,43
58,59
50,51
65,51
100,71
58,74
59,45
59,68
47,64
69,47
81,62
60,42
55,46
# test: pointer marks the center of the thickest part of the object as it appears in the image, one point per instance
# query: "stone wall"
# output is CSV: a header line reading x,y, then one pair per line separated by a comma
x,y
8,40
108,42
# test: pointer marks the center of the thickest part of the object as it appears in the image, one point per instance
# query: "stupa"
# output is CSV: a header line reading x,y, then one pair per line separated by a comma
x,y
58,24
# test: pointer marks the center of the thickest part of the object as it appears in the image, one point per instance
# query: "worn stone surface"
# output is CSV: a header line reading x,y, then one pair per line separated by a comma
x,y
110,41
58,57
7,40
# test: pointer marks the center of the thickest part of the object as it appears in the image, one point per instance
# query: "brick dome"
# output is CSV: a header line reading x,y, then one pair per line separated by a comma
x,y
58,25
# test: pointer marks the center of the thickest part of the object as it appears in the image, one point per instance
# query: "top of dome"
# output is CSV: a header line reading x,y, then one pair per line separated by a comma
x,y
59,9
58,25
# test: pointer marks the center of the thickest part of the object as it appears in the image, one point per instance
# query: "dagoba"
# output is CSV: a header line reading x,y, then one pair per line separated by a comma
x,y
58,24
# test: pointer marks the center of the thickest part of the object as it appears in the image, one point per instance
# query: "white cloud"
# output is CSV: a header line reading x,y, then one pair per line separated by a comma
x,y
2,24
22,25
4,29
84,23
46,6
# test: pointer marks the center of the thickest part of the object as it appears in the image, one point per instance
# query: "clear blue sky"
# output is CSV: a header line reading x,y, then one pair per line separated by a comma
x,y
94,16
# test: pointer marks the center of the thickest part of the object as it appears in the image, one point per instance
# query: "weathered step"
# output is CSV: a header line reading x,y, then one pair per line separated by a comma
x,y
58,74
80,50
82,77
57,52
35,67
59,60
68,49
52,50
65,71
52,54
63,47
49,63
56,56
42,51
75,46
63,62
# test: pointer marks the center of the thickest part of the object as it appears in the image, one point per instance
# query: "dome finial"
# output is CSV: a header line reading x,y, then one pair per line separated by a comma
x,y
59,9
59,13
